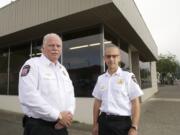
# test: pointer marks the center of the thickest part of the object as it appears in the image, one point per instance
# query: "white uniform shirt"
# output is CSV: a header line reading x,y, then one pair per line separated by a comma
x,y
116,92
45,89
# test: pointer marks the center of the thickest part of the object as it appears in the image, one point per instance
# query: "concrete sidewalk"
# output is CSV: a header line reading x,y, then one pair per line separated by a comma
x,y
160,116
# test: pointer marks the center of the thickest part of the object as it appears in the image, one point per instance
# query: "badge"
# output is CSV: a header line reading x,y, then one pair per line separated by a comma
x,y
120,81
25,70
134,78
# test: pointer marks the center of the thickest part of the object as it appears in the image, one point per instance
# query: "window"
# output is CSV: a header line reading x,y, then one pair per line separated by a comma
x,y
36,48
124,60
81,57
18,56
145,72
3,71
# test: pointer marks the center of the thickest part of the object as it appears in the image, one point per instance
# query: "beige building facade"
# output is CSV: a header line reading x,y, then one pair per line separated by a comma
x,y
85,26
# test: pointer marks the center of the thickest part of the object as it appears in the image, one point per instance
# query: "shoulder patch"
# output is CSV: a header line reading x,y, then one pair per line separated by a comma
x,y
64,73
134,78
25,70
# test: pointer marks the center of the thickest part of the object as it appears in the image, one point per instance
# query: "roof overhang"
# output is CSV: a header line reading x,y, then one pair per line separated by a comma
x,y
107,14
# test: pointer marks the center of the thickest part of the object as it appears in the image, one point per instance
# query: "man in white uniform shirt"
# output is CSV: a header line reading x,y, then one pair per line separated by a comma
x,y
46,92
116,107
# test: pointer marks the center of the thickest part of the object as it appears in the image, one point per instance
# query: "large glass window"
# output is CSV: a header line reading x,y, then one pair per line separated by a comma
x,y
145,72
81,57
18,56
124,60
3,71
36,48
124,55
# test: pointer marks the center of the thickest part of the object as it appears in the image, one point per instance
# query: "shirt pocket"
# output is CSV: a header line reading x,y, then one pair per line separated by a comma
x,y
48,83
120,90
103,91
48,76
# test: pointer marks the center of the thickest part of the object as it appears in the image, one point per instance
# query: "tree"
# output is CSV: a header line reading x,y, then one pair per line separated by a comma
x,y
167,63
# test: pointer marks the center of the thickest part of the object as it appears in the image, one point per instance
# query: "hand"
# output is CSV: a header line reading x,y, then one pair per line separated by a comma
x,y
95,129
66,119
58,126
132,132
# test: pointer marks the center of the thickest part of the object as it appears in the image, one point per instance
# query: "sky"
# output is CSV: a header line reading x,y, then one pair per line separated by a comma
x,y
162,18
5,2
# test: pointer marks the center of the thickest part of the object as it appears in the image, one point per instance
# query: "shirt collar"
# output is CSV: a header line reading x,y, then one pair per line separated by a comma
x,y
118,72
48,62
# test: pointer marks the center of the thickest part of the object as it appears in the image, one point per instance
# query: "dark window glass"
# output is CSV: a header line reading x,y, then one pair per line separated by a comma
x,y
124,60
124,55
145,71
18,56
36,48
81,57
3,71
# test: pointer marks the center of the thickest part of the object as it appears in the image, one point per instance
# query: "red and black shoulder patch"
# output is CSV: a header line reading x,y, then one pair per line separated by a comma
x,y
25,70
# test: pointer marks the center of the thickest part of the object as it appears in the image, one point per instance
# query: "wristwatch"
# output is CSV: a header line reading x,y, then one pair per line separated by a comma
x,y
134,127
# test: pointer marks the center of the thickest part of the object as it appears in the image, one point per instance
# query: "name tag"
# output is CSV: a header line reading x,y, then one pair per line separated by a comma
x,y
103,88
48,76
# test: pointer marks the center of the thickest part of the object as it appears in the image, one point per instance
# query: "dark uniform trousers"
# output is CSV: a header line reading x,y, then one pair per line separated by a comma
x,y
113,124
40,127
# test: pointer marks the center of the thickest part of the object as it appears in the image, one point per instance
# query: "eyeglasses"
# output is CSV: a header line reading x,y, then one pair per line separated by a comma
x,y
109,56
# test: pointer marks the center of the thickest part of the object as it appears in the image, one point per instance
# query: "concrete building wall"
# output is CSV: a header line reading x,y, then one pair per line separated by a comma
x,y
10,103
27,13
83,112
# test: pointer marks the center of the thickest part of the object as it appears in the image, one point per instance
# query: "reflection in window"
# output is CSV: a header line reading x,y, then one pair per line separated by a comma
x,y
81,57
124,60
36,49
18,56
3,71
145,71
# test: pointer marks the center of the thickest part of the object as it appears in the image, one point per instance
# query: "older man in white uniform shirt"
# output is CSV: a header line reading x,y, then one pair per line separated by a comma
x,y
116,106
46,92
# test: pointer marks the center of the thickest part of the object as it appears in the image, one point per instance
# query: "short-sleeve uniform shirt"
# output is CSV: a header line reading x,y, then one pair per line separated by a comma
x,y
116,92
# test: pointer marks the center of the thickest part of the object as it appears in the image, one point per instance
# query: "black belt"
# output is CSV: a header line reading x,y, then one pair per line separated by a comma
x,y
114,117
27,119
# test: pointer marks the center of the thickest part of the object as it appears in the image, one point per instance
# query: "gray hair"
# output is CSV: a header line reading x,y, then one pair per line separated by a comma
x,y
107,46
46,37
